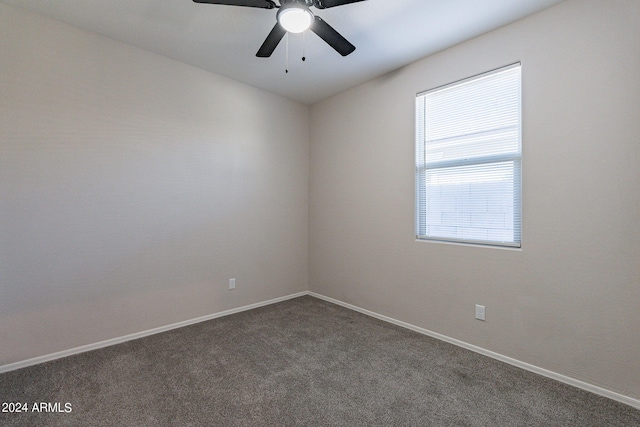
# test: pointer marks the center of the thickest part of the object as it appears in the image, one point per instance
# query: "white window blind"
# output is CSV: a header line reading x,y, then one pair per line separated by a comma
x,y
468,160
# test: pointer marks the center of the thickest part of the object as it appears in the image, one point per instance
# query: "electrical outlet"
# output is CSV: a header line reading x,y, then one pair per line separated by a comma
x,y
480,312
232,283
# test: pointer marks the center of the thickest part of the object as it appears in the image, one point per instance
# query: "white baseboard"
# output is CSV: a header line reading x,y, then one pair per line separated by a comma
x,y
535,369
119,340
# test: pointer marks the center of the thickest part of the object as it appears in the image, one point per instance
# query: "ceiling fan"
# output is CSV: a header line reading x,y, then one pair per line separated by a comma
x,y
295,16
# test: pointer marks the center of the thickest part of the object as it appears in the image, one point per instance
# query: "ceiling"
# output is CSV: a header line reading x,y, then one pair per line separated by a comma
x,y
388,34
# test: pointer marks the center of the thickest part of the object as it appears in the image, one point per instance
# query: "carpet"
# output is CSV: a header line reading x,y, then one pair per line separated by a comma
x,y
302,362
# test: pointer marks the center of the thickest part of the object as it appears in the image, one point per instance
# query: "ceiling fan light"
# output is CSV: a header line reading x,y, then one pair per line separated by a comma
x,y
295,19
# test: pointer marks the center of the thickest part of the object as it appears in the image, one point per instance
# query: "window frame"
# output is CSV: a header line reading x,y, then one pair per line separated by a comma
x,y
422,166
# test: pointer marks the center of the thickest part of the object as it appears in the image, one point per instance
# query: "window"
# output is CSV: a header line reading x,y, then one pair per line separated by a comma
x,y
468,160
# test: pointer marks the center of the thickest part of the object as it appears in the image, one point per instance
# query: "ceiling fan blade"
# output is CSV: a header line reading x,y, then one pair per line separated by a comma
x,y
271,42
331,36
323,4
264,4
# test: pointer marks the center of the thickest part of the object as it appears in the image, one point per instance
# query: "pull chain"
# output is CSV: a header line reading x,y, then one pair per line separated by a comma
x,y
304,58
286,68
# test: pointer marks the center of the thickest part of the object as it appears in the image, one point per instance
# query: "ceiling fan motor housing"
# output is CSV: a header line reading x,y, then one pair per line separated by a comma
x,y
295,17
305,3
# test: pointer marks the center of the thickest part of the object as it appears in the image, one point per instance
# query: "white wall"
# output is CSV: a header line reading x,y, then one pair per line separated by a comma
x,y
132,187
569,300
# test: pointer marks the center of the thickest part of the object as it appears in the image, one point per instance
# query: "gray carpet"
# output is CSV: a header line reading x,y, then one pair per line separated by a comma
x,y
301,362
